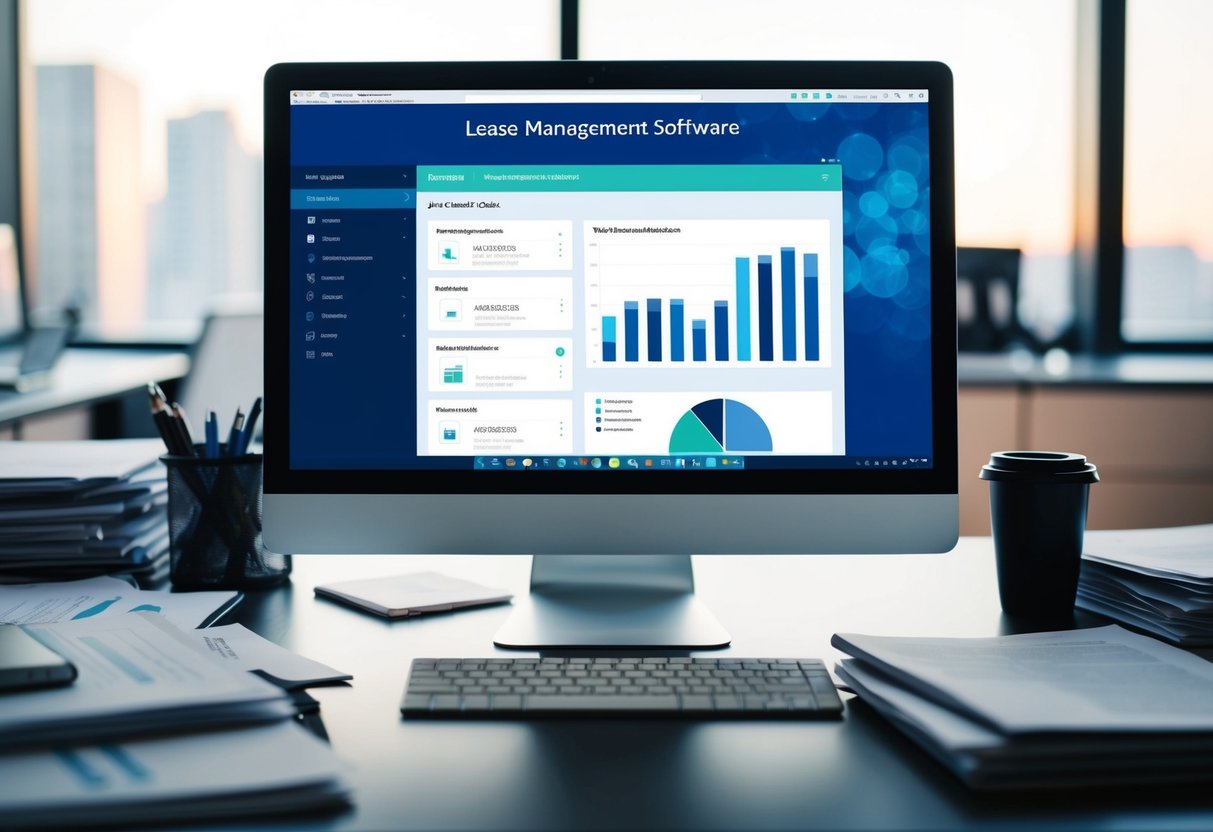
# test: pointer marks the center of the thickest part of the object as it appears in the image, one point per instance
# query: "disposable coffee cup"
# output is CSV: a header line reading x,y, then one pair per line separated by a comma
x,y
1038,514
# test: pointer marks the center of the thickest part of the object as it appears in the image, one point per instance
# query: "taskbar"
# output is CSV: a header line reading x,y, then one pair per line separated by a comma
x,y
709,462
607,463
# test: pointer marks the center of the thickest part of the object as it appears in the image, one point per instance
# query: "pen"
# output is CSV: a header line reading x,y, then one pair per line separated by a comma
x,y
246,435
183,426
212,435
233,435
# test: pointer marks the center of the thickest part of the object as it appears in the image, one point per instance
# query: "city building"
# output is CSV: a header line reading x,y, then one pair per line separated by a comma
x,y
92,228
206,232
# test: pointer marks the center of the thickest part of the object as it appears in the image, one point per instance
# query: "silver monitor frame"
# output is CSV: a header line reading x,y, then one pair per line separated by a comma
x,y
612,562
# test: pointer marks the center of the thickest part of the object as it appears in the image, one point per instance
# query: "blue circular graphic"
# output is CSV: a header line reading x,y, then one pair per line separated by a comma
x,y
873,204
861,156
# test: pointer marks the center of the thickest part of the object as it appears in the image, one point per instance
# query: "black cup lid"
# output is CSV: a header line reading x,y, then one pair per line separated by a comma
x,y
1038,466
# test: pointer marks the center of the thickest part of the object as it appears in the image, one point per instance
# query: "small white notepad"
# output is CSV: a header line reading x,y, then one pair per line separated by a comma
x,y
401,596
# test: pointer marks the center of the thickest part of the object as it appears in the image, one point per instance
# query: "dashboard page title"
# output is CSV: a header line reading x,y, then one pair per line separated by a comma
x,y
590,130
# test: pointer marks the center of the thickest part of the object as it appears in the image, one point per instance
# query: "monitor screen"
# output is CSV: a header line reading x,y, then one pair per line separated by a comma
x,y
723,285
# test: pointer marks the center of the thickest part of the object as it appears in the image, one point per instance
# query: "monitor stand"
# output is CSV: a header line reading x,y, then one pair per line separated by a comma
x,y
604,601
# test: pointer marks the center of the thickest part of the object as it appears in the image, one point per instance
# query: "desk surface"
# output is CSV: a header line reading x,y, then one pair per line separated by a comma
x,y
85,375
859,773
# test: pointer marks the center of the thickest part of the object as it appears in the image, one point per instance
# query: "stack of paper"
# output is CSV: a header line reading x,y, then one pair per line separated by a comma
x,y
1156,580
195,777
137,674
75,509
1074,708
135,737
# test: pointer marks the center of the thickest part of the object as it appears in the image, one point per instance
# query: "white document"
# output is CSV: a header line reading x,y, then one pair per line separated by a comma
x,y
112,459
1179,551
243,648
136,673
1101,679
196,776
104,596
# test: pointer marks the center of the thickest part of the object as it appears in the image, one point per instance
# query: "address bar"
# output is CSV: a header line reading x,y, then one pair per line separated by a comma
x,y
584,98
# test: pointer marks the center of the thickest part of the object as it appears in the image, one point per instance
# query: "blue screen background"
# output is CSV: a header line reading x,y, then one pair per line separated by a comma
x,y
883,150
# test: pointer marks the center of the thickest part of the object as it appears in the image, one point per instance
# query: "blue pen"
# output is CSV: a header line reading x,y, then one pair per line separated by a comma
x,y
233,436
212,435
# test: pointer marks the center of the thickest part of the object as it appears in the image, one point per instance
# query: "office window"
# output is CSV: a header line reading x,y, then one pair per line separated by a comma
x,y
1014,68
149,131
1168,225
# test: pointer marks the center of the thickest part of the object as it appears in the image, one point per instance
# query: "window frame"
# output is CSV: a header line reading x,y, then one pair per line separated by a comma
x,y
1098,260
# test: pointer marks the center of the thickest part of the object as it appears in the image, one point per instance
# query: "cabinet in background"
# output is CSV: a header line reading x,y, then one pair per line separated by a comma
x,y
1152,444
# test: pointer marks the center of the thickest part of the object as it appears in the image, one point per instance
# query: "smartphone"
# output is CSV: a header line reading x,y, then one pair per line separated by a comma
x,y
27,663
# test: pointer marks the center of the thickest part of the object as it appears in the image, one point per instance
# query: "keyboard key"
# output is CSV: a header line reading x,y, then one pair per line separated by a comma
x,y
594,702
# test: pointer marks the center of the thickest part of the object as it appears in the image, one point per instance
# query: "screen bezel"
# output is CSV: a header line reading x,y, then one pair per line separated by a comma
x,y
940,478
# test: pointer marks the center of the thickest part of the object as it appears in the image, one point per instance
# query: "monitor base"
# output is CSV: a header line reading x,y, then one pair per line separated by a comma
x,y
611,601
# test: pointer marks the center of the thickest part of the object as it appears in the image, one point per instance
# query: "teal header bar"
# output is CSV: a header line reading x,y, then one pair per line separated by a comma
x,y
459,178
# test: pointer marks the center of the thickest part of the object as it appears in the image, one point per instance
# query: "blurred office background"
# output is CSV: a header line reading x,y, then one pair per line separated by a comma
x,y
1082,134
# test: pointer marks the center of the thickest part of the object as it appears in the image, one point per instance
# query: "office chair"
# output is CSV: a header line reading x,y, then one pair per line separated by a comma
x,y
225,364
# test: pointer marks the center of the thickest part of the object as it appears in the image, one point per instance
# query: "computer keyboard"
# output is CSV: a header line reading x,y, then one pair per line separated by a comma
x,y
697,688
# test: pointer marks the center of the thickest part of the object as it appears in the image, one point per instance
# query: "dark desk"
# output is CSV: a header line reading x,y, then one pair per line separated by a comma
x,y
622,774
88,376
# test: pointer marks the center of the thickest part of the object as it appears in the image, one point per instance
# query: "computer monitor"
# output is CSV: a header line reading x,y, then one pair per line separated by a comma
x,y
610,315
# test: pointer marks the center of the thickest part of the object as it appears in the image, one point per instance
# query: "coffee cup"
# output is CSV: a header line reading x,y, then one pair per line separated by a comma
x,y
1038,515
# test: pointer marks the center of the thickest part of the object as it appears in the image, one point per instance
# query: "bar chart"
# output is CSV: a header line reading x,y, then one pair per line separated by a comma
x,y
707,293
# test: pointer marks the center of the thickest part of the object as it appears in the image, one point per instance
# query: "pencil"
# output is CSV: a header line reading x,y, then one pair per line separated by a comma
x,y
164,425
184,428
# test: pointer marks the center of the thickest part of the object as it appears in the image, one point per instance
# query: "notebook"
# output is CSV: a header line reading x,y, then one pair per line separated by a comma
x,y
417,593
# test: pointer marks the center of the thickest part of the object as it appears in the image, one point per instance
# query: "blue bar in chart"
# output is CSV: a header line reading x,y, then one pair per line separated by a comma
x,y
699,339
812,338
743,309
737,310
766,331
676,330
654,313
631,330
608,338
787,300
722,330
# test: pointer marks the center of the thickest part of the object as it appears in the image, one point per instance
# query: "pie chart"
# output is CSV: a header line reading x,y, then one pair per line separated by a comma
x,y
720,426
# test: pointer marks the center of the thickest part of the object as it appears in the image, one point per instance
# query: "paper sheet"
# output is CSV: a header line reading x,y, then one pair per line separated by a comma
x,y
44,603
77,460
1181,550
243,648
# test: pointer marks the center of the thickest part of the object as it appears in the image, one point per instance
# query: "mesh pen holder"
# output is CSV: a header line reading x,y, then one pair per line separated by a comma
x,y
214,516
